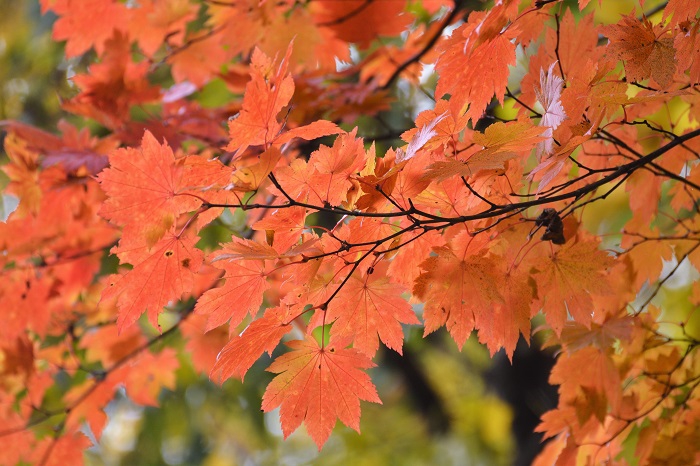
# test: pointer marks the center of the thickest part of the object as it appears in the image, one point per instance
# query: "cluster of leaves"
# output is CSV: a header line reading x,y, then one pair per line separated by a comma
x,y
341,244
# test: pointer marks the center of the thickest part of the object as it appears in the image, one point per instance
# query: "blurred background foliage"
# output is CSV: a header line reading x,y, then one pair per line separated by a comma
x,y
460,420
441,406
32,69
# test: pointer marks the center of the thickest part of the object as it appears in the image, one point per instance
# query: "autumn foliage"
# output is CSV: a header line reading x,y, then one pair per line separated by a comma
x,y
480,217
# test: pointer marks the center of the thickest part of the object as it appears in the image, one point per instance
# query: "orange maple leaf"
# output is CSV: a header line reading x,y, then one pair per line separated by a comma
x,y
334,167
679,11
144,188
513,136
456,285
265,96
89,399
200,60
589,368
645,49
59,451
405,266
566,280
89,25
107,345
161,274
250,173
474,65
369,306
688,51
23,171
360,21
149,374
318,385
243,350
242,291
501,142
501,328
152,20
202,347
286,225
111,87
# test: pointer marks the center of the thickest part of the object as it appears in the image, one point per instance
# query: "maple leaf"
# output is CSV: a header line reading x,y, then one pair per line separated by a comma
x,y
241,352
513,136
647,257
575,337
111,87
250,174
502,327
153,20
474,65
242,291
334,167
679,11
361,21
90,25
687,52
549,95
161,274
644,50
76,151
149,374
368,306
107,345
589,368
445,130
317,385
295,179
60,451
23,172
144,188
477,163
501,142
203,347
265,96
256,123
198,62
419,139
456,285
89,400
15,447
286,226
25,297
404,268
566,280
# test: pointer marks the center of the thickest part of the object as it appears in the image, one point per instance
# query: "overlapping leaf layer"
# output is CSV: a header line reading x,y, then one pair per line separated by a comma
x,y
493,208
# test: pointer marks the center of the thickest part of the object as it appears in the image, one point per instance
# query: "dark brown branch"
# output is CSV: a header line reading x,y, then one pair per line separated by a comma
x,y
454,14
